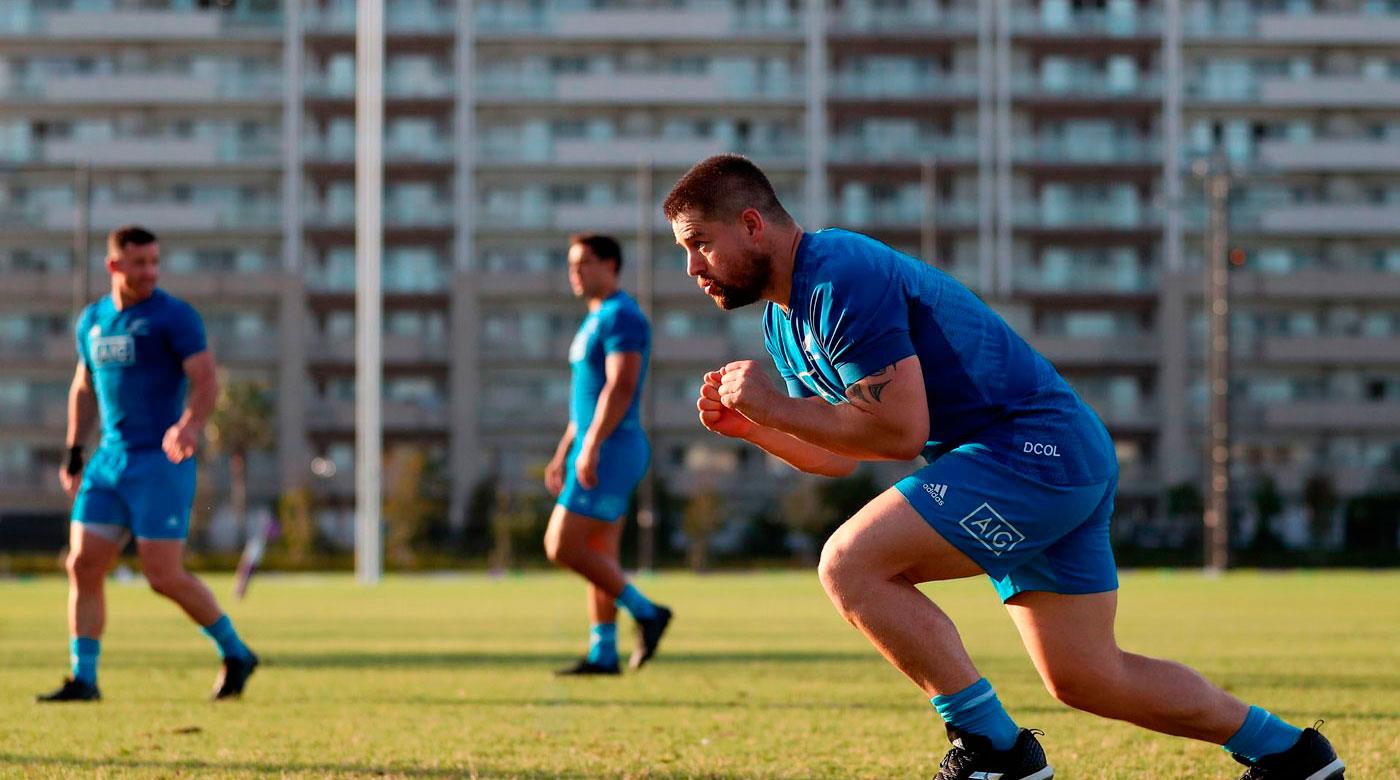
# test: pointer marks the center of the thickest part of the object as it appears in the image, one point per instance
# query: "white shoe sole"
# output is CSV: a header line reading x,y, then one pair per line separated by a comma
x,y
1327,771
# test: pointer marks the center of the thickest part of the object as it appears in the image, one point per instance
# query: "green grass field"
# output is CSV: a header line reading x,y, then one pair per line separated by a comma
x,y
450,677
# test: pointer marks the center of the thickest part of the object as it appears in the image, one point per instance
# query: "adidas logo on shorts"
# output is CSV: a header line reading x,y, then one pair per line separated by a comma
x,y
936,491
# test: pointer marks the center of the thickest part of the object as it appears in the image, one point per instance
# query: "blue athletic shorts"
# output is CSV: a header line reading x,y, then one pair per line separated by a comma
x,y
622,462
1027,535
141,493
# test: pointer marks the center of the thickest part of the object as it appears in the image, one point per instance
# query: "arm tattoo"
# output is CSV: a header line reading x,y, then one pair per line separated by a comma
x,y
855,393
876,388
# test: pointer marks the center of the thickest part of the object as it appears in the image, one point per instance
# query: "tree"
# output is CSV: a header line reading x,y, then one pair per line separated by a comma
x,y
1267,505
1321,500
1184,499
803,511
480,509
241,423
845,496
295,515
704,514
411,504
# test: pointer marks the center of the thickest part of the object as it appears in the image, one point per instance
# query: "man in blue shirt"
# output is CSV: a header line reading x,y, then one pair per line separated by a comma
x,y
139,350
602,455
886,358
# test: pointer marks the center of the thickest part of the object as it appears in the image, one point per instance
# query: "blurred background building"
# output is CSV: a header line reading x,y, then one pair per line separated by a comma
x,y
1041,152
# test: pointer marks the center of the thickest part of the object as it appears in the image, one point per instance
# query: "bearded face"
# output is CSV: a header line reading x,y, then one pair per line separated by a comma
x,y
739,282
725,260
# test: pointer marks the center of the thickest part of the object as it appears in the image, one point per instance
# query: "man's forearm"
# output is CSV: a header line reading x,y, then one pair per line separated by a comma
x,y
203,396
82,411
565,442
843,429
801,455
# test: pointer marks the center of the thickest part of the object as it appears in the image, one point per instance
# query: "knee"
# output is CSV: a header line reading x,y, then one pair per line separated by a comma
x,y
554,549
165,581
84,569
841,573
1084,686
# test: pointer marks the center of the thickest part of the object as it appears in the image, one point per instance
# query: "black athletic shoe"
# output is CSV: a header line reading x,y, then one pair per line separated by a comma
x,y
1310,758
72,690
586,668
233,676
972,758
649,636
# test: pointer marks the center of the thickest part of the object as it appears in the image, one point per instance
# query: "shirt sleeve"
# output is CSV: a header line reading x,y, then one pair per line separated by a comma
x,y
795,388
626,331
185,332
80,339
862,320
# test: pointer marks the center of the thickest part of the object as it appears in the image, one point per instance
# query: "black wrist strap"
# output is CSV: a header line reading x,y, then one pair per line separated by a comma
x,y
73,460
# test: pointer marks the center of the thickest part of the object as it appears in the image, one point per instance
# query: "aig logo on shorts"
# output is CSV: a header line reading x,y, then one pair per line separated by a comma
x,y
992,530
113,351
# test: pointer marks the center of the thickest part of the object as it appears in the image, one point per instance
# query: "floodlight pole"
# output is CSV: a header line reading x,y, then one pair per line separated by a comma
x,y
646,295
928,226
82,232
369,247
1217,303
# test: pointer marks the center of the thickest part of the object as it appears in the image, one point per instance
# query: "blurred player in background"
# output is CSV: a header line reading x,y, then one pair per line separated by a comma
x,y
139,351
602,455
886,358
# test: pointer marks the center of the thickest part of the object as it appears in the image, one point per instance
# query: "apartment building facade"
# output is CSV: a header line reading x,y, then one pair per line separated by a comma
x,y
1039,151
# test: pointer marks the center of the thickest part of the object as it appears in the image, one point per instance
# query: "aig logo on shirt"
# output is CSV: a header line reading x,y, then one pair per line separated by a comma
x,y
113,351
579,348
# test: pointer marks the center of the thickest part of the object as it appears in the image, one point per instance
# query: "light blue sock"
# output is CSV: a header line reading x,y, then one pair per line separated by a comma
x,y
1262,734
221,631
602,644
634,602
977,710
83,653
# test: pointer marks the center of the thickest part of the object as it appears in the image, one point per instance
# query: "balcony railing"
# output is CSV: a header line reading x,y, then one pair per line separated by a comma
x,y
96,22
399,18
633,87
160,215
1080,24
676,21
146,88
1081,216
1086,86
1064,150
434,150
854,85
919,18
855,149
149,152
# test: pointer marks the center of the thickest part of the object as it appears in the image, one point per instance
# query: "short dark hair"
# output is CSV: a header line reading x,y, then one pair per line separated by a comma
x,y
602,247
128,235
722,187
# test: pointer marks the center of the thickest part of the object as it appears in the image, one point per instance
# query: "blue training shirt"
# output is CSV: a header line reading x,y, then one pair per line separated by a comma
x,y
135,358
858,306
617,326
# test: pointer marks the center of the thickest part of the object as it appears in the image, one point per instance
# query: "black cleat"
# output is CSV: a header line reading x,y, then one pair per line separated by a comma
x,y
649,636
1310,758
972,758
72,689
233,676
586,668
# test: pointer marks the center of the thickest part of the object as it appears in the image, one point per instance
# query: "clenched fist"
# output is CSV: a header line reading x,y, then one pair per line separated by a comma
x,y
717,417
